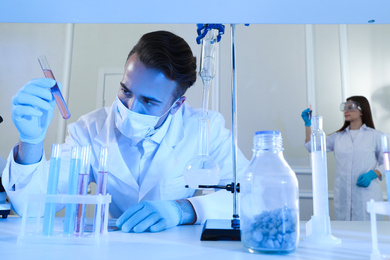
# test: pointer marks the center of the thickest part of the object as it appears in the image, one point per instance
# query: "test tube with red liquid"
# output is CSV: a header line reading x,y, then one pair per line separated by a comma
x,y
55,91
82,188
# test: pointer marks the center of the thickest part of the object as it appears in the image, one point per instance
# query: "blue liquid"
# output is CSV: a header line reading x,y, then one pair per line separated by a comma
x,y
52,188
70,209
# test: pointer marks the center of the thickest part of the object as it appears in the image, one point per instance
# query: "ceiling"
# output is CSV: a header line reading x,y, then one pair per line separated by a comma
x,y
197,11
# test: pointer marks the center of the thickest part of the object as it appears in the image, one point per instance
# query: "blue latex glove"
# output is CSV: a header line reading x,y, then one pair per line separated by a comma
x,y
305,116
32,109
365,179
154,216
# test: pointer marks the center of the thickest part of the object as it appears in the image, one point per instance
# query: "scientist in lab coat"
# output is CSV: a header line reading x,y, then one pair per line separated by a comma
x,y
359,160
150,132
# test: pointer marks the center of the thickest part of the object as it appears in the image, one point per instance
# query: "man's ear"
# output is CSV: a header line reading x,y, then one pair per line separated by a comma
x,y
178,104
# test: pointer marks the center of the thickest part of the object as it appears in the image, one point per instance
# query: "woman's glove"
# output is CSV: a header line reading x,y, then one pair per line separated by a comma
x,y
306,116
365,179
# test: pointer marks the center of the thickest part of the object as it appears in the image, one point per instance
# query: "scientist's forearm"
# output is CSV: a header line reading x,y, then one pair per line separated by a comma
x,y
29,153
189,215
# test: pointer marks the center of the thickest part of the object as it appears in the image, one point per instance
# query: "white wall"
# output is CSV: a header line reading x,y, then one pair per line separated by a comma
x,y
271,74
20,46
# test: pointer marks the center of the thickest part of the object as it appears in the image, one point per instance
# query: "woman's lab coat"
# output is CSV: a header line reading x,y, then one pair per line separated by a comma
x,y
353,158
164,179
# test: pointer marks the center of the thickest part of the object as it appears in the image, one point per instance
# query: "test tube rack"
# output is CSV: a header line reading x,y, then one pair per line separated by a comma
x,y
32,227
374,208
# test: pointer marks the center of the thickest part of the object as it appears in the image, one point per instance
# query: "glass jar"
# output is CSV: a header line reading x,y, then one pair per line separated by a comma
x,y
269,199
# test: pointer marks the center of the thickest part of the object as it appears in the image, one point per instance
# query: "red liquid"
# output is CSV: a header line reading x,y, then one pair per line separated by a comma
x,y
48,74
58,96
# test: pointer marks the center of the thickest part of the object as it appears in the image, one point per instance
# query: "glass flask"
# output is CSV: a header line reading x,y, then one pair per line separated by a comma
x,y
269,199
202,169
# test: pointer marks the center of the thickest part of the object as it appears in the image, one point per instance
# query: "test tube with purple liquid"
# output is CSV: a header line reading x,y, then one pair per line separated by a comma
x,y
82,188
101,187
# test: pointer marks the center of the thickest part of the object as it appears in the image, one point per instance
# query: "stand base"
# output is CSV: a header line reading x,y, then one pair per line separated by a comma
x,y
5,213
220,229
5,209
318,230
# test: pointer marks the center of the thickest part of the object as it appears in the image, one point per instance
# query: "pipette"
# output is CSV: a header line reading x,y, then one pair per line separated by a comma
x,y
82,188
55,91
207,65
52,187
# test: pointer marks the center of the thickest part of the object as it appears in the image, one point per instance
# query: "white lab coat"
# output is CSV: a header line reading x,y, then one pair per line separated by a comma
x,y
164,179
353,158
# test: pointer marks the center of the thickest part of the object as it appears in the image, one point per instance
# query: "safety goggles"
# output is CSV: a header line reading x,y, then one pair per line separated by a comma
x,y
350,106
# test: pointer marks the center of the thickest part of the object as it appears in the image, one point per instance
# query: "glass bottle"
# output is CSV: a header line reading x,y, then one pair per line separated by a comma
x,y
269,199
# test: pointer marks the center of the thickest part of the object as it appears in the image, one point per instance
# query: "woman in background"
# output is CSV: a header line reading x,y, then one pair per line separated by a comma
x,y
358,159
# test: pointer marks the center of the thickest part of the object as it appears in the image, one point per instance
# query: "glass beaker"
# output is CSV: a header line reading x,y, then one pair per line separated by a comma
x,y
269,199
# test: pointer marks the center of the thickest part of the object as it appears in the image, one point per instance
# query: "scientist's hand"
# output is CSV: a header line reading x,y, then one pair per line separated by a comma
x,y
306,116
32,109
365,179
150,215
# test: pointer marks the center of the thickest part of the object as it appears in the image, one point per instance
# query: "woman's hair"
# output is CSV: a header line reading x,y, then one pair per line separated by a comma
x,y
366,112
169,54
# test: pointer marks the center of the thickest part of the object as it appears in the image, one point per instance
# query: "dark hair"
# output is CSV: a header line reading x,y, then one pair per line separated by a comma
x,y
366,112
169,54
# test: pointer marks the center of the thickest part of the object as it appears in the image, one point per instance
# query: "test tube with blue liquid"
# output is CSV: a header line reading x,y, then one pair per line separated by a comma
x,y
74,169
101,188
82,188
52,188
55,91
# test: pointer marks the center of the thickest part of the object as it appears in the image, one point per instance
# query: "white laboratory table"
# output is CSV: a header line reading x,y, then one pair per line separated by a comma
x,y
184,243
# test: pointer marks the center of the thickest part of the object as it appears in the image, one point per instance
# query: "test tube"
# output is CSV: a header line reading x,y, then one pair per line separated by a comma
x,y
52,188
386,161
101,187
55,91
82,188
74,169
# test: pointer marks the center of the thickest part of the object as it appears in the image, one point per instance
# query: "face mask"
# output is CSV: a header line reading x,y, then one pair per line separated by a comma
x,y
134,125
